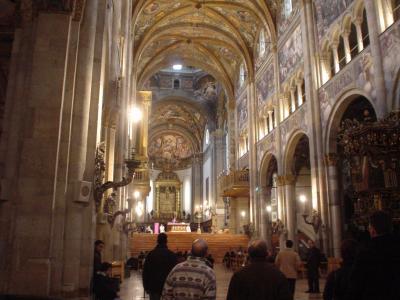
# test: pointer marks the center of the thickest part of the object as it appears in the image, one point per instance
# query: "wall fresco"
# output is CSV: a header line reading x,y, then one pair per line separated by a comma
x,y
265,85
390,45
284,19
290,55
327,11
242,113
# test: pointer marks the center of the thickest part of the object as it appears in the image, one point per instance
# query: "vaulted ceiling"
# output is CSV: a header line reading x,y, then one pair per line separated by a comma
x,y
212,35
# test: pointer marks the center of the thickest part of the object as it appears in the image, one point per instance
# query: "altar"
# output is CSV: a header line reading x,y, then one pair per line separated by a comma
x,y
178,227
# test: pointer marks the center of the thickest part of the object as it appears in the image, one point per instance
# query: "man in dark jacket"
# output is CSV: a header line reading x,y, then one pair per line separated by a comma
x,y
337,282
158,263
376,271
313,262
260,280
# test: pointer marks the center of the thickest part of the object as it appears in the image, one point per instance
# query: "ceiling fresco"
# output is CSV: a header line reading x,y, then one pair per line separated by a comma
x,y
213,35
179,116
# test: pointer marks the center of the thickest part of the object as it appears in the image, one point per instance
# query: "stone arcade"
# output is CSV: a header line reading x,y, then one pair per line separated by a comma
x,y
276,119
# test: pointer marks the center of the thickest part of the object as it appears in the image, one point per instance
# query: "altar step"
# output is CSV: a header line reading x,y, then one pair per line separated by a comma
x,y
218,244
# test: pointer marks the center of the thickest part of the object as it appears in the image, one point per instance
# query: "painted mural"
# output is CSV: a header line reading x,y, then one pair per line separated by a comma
x,y
290,55
266,85
206,89
268,46
390,45
285,17
170,151
242,113
327,11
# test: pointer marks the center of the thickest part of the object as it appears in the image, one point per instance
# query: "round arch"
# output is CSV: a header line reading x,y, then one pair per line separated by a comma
x,y
267,159
290,150
336,115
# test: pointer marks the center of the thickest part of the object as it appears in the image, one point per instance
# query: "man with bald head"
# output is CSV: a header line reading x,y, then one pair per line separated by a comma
x,y
193,278
260,280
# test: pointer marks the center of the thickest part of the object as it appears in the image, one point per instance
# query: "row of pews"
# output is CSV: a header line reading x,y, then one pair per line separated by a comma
x,y
218,244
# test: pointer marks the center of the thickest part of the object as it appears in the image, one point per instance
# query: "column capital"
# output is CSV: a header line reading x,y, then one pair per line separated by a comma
x,y
331,159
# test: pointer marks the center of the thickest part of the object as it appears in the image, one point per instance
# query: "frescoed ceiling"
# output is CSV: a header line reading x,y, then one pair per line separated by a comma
x,y
183,117
213,35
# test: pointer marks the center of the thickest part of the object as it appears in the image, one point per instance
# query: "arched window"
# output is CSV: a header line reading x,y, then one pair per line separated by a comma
x,y
396,10
177,84
353,42
288,8
261,41
207,136
364,30
341,53
242,75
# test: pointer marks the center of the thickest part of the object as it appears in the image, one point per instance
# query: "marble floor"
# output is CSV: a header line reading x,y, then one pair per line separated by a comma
x,y
132,289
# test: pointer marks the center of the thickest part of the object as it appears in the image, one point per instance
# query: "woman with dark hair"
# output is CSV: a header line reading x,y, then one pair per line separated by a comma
x,y
338,281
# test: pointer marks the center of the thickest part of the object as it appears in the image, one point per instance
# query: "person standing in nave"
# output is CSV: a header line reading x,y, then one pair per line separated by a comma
x,y
288,261
337,282
376,271
157,265
313,263
260,280
192,279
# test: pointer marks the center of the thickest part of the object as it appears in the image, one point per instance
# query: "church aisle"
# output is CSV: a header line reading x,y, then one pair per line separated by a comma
x,y
132,288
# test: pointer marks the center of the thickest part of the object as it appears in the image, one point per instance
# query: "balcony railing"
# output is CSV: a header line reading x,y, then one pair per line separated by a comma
x,y
234,184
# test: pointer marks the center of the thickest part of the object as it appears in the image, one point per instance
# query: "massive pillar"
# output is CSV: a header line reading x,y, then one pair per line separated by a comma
x,y
313,106
334,203
290,204
376,52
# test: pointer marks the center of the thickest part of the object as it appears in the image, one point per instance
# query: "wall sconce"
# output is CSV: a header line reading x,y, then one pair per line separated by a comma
x,y
243,214
269,209
100,167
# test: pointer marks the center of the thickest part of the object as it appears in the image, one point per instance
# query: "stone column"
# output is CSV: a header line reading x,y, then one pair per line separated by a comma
x,y
80,166
299,92
334,202
318,181
252,147
197,181
219,163
145,100
264,230
376,52
270,121
360,42
347,49
290,203
292,100
334,47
